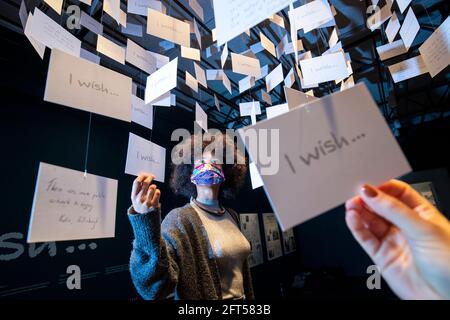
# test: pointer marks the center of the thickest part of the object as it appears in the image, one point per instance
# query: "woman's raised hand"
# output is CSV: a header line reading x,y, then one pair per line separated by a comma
x,y
144,195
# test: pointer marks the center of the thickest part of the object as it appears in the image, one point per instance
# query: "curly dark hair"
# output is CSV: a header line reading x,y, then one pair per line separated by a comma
x,y
180,179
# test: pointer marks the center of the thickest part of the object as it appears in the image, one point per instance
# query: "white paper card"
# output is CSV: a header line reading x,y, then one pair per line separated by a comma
x,y
410,28
246,83
245,65
324,68
235,16
190,53
23,14
247,108
196,7
161,81
141,113
267,44
191,82
112,8
435,51
46,31
201,117
69,206
168,28
200,75
224,55
392,27
139,57
81,84
343,138
55,5
132,29
390,50
145,156
140,7
379,17
90,23
408,69
274,78
403,4
312,15
110,49
297,98
39,47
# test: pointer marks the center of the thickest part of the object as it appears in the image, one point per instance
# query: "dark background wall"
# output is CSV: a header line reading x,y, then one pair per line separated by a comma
x,y
32,131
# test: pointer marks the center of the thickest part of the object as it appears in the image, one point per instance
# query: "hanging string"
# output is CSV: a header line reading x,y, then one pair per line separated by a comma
x,y
87,144
90,120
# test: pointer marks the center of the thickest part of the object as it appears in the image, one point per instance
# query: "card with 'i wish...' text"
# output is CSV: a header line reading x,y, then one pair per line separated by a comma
x,y
316,156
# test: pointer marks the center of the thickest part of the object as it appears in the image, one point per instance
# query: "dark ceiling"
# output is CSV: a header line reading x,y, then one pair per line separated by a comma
x,y
403,104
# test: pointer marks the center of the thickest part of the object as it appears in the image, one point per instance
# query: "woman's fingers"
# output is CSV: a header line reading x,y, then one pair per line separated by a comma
x,y
393,210
368,241
145,186
155,200
149,195
403,192
137,184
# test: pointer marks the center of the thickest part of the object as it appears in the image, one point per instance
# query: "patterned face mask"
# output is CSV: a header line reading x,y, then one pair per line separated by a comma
x,y
207,174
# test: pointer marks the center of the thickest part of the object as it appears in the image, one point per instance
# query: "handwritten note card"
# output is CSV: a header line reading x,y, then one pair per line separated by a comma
x,y
145,156
69,206
110,49
141,113
245,65
435,51
140,7
81,84
234,17
342,137
139,57
324,68
312,15
48,32
161,81
168,28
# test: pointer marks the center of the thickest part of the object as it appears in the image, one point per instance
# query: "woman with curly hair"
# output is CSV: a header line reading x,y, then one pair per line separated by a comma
x,y
198,251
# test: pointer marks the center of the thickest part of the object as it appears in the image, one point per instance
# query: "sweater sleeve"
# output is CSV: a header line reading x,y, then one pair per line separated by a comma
x,y
153,265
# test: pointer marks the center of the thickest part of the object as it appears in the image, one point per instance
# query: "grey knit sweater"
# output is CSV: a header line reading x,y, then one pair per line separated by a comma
x,y
175,257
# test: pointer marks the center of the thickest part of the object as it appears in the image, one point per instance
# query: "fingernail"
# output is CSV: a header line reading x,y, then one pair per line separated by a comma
x,y
369,191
